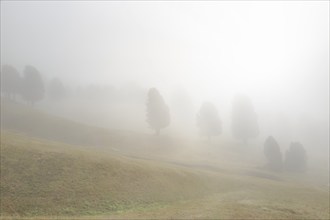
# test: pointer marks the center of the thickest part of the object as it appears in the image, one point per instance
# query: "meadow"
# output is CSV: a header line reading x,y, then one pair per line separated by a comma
x,y
55,168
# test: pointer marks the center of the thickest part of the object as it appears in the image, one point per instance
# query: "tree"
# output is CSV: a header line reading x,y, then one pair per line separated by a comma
x,y
56,90
208,120
273,154
158,115
244,119
296,158
10,81
32,85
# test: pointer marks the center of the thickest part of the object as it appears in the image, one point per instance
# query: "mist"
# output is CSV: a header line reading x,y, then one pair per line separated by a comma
x,y
100,62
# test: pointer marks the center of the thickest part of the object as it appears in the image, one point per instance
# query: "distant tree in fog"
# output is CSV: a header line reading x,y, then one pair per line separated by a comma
x,y
158,115
244,119
208,120
296,158
56,90
32,85
10,81
273,154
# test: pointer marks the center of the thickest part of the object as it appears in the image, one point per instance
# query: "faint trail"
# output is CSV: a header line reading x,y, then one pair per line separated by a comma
x,y
206,167
182,164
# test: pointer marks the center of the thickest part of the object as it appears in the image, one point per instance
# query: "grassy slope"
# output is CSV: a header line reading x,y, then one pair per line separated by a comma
x,y
15,116
32,122
42,177
46,177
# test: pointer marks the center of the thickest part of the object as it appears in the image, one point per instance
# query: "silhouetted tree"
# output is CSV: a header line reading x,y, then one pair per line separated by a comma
x,y
158,115
32,85
273,154
244,119
296,158
56,90
10,81
208,120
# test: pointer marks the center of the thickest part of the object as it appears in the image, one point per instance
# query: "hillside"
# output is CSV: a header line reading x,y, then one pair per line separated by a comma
x,y
45,178
54,167
33,122
60,179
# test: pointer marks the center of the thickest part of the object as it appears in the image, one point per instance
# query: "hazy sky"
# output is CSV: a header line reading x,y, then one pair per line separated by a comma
x,y
276,52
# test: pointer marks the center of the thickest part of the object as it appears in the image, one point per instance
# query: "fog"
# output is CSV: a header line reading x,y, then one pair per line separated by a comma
x,y
108,54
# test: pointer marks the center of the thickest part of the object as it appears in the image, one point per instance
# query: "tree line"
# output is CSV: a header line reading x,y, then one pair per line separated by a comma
x,y
30,85
244,118
244,127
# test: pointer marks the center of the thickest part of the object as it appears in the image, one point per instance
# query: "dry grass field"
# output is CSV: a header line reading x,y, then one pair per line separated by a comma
x,y
84,172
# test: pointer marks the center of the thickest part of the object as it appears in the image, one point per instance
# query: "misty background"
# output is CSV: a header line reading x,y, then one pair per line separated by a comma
x,y
108,55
